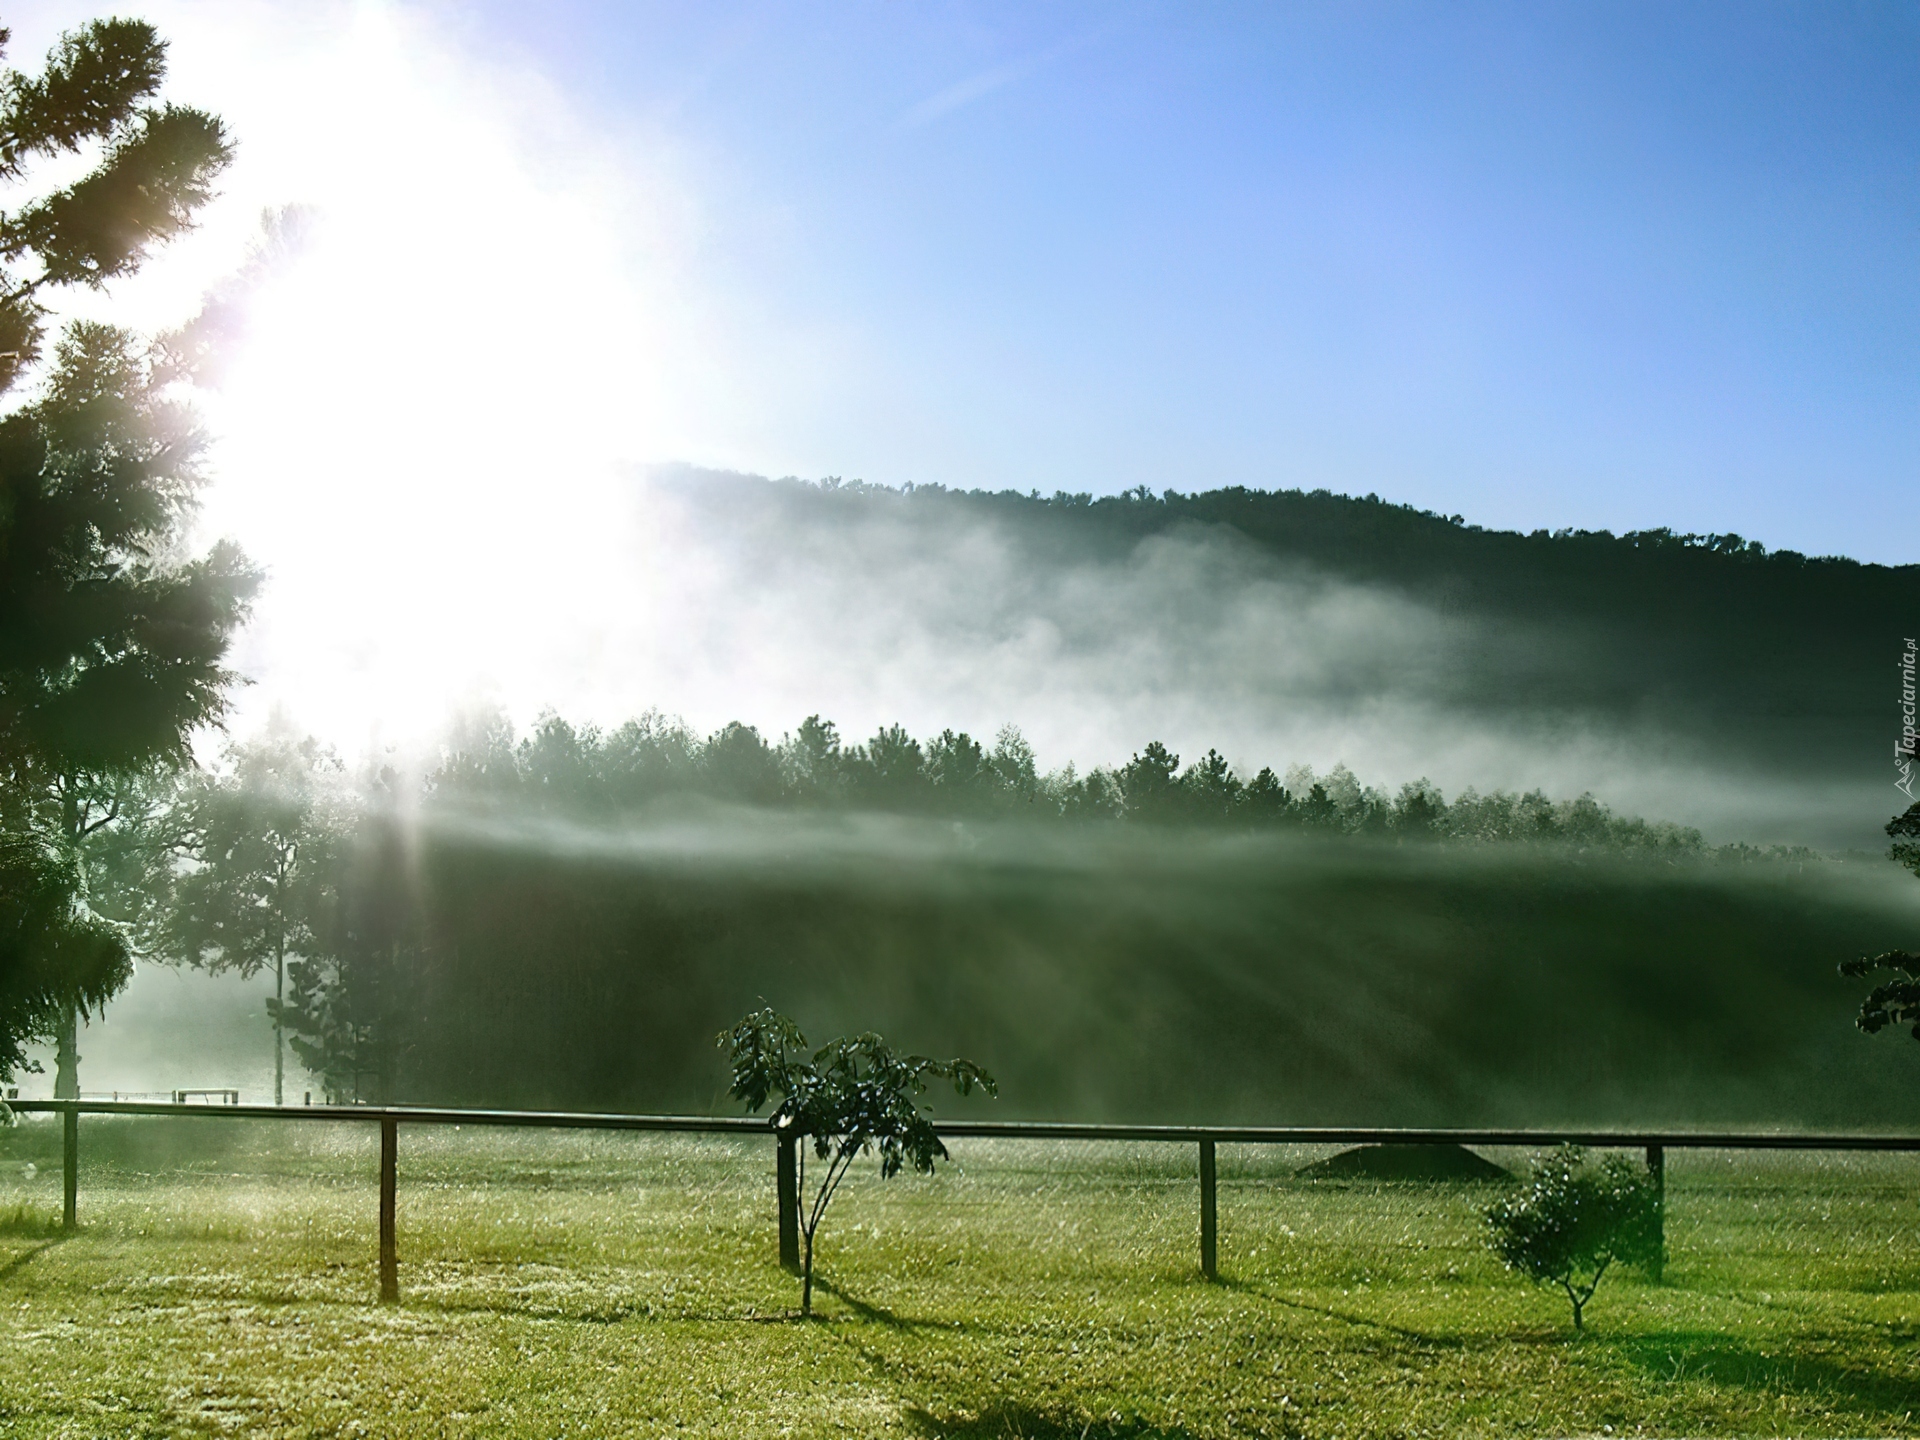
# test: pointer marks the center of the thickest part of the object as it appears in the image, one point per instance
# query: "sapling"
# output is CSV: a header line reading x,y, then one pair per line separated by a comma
x,y
850,1097
1573,1219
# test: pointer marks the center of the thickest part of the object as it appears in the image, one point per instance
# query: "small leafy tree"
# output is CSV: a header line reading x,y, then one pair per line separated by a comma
x,y
353,1001
1893,1002
852,1096
1573,1219
260,846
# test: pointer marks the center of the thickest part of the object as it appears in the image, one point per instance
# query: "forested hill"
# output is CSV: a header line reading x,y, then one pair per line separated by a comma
x,y
1721,589
1701,650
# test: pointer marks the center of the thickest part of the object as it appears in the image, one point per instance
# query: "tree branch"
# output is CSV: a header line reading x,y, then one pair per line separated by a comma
x,y
112,814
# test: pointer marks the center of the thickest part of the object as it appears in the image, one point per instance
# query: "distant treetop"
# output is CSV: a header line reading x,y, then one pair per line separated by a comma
x,y
585,772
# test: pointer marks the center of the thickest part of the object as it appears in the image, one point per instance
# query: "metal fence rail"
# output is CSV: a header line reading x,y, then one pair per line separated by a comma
x,y
1205,1137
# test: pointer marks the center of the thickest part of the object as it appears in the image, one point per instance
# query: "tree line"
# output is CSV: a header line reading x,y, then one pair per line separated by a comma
x,y
285,861
589,772
1639,572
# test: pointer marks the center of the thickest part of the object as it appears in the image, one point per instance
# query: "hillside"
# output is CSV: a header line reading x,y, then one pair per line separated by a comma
x,y
1700,677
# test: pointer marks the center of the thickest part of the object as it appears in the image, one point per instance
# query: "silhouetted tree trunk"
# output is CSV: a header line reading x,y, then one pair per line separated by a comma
x,y
66,1070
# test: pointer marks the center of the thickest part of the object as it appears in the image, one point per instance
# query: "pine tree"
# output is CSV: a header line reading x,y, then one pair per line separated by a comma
x,y
111,640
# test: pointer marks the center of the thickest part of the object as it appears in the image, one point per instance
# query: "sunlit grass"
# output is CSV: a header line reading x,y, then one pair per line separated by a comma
x,y
223,1282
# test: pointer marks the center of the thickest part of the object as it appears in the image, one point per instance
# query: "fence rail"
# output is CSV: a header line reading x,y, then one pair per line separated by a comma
x,y
1205,1137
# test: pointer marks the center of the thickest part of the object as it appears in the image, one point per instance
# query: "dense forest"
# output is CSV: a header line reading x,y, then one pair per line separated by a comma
x,y
587,773
567,918
1149,975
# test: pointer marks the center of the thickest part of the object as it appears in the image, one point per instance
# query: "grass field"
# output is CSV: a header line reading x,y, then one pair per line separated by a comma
x,y
570,1284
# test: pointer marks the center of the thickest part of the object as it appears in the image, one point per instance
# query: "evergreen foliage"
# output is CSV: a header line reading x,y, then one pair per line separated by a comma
x,y
584,772
153,167
55,952
112,640
1893,1002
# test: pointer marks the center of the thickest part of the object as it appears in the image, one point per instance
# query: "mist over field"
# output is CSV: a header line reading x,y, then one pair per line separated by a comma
x,y
1146,974
1160,976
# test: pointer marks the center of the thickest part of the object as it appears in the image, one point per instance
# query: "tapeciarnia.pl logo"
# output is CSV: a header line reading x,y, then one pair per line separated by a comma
x,y
1903,749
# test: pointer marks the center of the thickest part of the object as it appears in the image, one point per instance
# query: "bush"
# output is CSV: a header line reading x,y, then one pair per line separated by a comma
x,y
1573,1219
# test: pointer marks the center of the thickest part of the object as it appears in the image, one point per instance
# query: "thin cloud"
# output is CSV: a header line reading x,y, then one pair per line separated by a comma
x,y
983,83
971,89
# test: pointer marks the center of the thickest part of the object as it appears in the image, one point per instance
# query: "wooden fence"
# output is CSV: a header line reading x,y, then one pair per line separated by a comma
x,y
1207,1138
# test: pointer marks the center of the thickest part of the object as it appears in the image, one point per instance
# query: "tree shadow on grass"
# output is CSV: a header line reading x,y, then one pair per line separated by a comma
x,y
880,1314
1899,1332
615,1313
26,1257
1719,1360
1009,1420
1364,1322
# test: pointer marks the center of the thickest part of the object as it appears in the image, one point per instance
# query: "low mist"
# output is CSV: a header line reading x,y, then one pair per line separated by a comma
x,y
1150,974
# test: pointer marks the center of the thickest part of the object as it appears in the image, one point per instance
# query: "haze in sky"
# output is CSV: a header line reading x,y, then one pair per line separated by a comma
x,y
1611,265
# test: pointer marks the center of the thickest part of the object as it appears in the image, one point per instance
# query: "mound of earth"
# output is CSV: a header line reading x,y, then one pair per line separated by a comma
x,y
1404,1162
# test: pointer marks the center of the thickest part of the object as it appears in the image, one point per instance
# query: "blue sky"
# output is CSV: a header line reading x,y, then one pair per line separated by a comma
x,y
1589,264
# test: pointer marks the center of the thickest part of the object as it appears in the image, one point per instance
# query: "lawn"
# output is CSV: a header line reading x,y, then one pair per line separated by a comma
x,y
574,1284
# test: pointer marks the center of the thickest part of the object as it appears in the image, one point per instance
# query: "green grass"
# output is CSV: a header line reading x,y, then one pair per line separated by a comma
x,y
570,1284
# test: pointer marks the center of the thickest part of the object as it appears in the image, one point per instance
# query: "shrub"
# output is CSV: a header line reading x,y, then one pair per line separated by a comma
x,y
1573,1219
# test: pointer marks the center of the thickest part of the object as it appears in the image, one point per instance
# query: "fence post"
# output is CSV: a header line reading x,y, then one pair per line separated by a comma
x,y
1657,1168
389,1164
788,1187
1209,1214
70,1166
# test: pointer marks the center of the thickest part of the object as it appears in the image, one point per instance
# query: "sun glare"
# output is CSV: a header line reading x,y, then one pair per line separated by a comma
x,y
429,434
